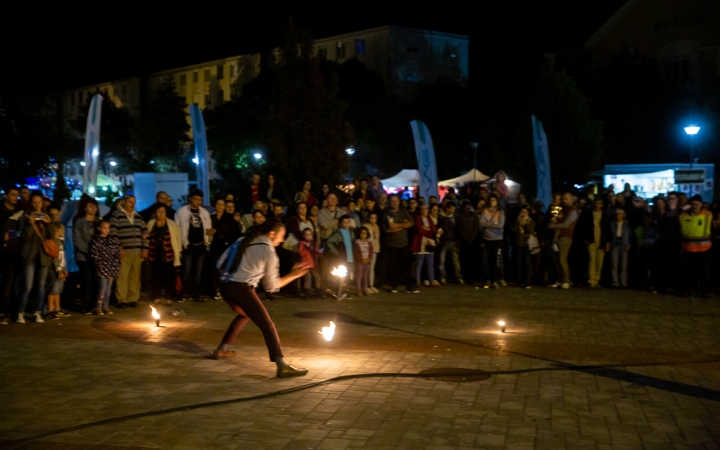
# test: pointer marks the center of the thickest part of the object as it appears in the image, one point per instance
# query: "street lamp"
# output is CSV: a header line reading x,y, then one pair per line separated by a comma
x,y
692,130
257,155
350,151
113,163
474,145
196,161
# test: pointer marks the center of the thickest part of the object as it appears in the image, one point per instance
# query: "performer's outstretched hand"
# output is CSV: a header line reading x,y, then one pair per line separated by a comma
x,y
299,270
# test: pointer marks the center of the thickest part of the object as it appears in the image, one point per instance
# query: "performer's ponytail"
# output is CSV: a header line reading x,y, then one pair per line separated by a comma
x,y
265,228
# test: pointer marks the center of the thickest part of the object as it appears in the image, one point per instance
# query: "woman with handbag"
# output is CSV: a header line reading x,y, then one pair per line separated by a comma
x,y
423,246
524,229
34,235
492,222
164,255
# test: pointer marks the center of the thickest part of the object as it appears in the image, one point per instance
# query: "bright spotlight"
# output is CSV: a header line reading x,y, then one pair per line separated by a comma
x,y
113,163
692,130
350,151
196,161
257,155
82,163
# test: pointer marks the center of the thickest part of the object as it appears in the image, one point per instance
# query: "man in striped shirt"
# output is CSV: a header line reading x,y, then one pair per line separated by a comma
x,y
130,229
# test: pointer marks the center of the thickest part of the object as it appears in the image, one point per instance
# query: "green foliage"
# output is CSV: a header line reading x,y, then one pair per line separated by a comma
x,y
575,139
161,134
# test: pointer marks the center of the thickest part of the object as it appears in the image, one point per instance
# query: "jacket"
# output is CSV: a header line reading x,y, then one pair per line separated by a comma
x,y
309,253
468,225
336,245
421,232
567,223
492,230
31,242
328,221
523,232
130,235
447,225
625,238
10,222
182,218
586,228
696,232
105,255
175,239
82,234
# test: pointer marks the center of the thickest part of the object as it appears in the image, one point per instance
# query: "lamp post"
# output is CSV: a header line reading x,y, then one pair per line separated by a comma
x,y
692,130
474,145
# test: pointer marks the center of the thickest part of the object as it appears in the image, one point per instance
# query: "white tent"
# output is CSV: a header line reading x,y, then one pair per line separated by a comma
x,y
471,176
405,177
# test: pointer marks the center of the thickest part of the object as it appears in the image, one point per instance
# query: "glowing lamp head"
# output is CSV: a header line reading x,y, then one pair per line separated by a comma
x,y
196,161
82,163
257,155
350,151
692,130
328,332
113,163
91,190
339,271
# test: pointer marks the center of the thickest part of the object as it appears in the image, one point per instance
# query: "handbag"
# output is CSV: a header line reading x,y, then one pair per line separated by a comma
x,y
51,248
533,245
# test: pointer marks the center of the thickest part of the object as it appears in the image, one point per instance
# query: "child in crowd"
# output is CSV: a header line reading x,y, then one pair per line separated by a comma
x,y
57,272
374,237
340,245
363,258
105,255
310,254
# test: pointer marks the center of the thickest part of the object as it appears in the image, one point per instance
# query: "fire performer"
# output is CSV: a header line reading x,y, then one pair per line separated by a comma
x,y
243,266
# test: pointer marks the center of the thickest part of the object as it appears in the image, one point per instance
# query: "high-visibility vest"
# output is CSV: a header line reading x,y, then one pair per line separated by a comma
x,y
696,231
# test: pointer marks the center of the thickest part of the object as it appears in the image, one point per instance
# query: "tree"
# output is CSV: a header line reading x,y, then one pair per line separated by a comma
x,y
575,139
161,134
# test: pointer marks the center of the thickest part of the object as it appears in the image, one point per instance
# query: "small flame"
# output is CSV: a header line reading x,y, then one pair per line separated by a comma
x,y
501,323
328,332
339,271
155,313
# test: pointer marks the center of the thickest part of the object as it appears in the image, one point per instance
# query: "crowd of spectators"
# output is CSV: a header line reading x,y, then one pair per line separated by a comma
x,y
668,244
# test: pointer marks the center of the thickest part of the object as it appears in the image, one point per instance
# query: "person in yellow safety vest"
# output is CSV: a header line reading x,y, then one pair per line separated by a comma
x,y
696,231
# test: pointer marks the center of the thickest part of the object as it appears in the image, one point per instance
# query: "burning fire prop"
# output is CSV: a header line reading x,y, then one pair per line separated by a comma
x,y
156,315
328,332
340,272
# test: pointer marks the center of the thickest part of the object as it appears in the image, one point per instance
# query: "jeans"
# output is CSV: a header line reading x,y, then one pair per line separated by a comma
x,y
493,250
362,276
452,248
564,245
9,268
35,276
619,256
127,287
104,292
429,260
398,261
597,256
523,259
696,267
193,259
371,278
88,284
244,301
308,277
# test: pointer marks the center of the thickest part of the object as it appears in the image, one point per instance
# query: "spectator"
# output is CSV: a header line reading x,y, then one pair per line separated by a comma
x,y
279,212
227,232
310,255
313,216
238,229
395,223
253,192
565,228
33,233
374,237
161,199
595,229
355,219
363,250
492,222
309,197
368,207
328,217
466,231
165,255
524,229
364,191
10,216
413,207
105,254
696,232
196,228
25,203
324,193
85,226
376,187
298,223
620,246
340,246
258,218
131,231
433,200
449,244
247,219
423,246
57,270
382,203
270,191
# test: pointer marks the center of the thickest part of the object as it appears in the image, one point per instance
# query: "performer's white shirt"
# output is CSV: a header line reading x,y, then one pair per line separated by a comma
x,y
259,264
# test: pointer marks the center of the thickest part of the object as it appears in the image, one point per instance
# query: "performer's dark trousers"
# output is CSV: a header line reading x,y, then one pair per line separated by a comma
x,y
244,301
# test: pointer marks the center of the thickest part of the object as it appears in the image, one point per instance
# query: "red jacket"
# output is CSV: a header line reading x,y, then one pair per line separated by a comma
x,y
421,232
309,253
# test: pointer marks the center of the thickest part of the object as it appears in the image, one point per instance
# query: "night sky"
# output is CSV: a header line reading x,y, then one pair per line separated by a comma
x,y
130,42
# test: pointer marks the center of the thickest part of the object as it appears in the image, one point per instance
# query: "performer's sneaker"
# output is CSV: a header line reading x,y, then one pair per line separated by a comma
x,y
219,354
288,371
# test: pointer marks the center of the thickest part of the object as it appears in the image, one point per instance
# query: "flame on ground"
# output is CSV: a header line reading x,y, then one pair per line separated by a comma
x,y
155,313
328,332
339,271
501,323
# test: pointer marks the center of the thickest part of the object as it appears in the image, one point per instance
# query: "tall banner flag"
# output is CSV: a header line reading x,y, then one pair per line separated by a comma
x,y
92,145
426,159
201,152
542,162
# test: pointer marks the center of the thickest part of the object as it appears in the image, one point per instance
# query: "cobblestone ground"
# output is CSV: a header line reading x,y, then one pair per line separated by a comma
x,y
576,369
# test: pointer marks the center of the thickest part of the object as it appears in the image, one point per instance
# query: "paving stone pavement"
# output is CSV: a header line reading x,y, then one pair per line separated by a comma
x,y
576,369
